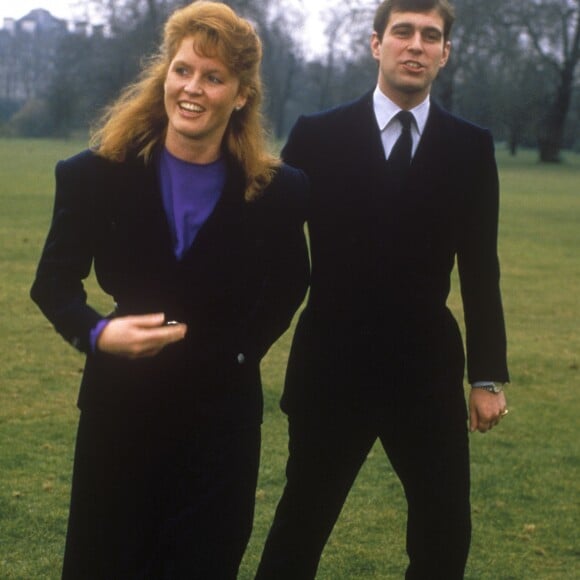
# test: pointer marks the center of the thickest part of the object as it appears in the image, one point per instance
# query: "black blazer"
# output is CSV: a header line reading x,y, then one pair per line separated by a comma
x,y
382,253
237,287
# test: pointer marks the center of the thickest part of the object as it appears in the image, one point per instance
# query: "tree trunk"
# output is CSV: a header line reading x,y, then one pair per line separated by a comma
x,y
551,130
513,144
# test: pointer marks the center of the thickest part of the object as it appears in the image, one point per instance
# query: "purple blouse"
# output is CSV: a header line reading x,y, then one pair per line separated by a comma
x,y
190,193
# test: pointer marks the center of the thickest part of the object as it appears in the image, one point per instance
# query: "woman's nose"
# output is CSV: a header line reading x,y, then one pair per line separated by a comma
x,y
193,86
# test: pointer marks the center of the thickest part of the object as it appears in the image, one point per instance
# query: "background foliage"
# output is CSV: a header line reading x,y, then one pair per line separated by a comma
x,y
513,67
525,473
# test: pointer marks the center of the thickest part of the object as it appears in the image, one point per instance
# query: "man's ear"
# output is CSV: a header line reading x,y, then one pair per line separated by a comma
x,y
446,52
375,46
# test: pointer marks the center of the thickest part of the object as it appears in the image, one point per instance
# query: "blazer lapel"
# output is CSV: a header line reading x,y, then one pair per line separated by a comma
x,y
144,202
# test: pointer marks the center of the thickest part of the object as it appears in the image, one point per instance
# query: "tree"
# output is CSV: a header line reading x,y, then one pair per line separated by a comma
x,y
279,68
491,77
345,67
513,66
473,48
552,28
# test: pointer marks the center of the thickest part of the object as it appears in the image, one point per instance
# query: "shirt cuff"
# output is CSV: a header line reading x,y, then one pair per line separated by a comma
x,y
96,332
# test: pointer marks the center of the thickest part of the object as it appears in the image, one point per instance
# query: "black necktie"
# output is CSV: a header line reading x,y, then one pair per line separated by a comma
x,y
400,157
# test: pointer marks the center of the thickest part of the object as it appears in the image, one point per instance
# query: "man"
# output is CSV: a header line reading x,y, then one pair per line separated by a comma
x,y
376,353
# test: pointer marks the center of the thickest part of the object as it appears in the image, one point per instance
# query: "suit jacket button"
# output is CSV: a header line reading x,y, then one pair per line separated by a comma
x,y
241,358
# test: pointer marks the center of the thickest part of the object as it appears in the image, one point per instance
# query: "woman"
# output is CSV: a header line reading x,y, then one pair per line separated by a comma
x,y
196,233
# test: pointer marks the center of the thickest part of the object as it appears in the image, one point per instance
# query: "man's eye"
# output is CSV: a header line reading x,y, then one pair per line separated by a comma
x,y
433,36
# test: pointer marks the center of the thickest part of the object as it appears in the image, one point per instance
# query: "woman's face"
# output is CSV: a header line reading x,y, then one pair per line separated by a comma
x,y
201,93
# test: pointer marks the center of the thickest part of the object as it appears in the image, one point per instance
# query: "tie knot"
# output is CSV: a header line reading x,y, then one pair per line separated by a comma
x,y
405,118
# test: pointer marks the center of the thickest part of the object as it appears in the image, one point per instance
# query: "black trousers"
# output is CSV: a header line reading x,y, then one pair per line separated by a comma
x,y
426,441
157,498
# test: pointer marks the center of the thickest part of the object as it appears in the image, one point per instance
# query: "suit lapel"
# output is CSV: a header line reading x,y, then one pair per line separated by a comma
x,y
364,129
432,143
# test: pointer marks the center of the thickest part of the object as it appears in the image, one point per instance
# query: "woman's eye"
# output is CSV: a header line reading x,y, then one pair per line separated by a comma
x,y
214,79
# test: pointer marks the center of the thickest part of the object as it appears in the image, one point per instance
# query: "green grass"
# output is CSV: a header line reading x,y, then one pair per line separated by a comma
x,y
525,473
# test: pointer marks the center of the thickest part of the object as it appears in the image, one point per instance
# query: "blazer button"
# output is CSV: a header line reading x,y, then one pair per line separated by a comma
x,y
241,358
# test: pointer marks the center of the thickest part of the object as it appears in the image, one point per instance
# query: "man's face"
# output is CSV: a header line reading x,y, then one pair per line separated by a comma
x,y
410,55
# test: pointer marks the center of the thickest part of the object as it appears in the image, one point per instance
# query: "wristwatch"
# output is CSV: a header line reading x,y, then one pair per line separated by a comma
x,y
494,388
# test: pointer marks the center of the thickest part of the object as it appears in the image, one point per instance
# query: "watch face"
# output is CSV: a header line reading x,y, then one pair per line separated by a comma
x,y
496,388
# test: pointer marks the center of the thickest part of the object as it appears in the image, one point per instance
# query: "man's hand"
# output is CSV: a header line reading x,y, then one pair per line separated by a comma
x,y
485,409
139,336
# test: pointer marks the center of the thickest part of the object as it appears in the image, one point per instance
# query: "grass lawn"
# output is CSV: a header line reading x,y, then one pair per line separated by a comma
x,y
526,480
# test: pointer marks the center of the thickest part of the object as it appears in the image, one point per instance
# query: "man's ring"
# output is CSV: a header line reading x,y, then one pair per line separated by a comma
x,y
504,413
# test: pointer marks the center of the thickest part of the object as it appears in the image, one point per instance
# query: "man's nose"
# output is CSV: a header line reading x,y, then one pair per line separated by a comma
x,y
416,42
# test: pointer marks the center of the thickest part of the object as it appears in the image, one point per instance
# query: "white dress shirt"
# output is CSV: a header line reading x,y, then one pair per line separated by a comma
x,y
385,111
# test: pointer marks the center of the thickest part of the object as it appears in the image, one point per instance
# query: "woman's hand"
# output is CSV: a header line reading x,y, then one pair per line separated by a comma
x,y
139,336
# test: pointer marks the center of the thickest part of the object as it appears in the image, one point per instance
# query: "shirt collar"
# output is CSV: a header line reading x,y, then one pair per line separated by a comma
x,y
385,111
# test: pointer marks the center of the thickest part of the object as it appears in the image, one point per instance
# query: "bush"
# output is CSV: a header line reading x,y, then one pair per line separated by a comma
x,y
7,109
32,120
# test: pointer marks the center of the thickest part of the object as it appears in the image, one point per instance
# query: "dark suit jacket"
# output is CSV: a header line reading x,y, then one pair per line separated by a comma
x,y
382,253
237,287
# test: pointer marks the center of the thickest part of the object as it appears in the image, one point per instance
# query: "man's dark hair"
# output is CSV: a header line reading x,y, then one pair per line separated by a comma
x,y
384,11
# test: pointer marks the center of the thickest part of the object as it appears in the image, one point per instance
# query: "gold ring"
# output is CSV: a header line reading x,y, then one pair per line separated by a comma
x,y
504,413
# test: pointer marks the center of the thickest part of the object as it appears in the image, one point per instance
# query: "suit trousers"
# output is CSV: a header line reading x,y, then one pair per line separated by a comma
x,y
426,441
155,497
